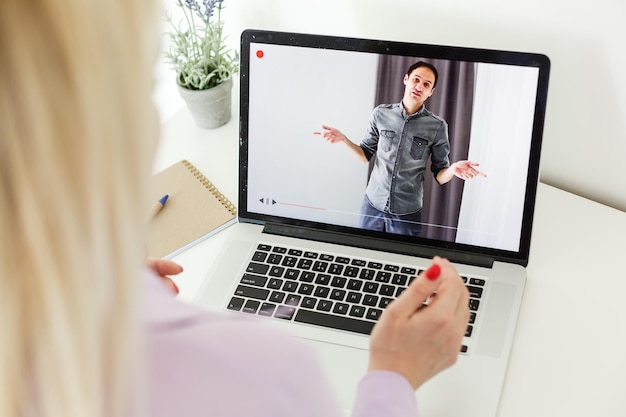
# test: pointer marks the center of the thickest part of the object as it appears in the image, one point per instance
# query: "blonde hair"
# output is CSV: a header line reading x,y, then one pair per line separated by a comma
x,y
77,132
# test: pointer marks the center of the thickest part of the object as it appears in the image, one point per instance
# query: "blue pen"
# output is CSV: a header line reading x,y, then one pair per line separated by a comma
x,y
159,205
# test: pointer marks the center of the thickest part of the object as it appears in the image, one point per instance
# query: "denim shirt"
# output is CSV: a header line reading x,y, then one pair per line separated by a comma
x,y
402,144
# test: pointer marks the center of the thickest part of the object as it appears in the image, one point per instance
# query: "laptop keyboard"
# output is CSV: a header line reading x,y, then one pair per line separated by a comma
x,y
328,290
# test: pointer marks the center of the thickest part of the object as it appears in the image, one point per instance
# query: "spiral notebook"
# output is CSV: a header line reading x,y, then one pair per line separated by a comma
x,y
195,210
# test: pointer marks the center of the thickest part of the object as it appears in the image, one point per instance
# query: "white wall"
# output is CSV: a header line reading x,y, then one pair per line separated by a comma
x,y
312,179
585,135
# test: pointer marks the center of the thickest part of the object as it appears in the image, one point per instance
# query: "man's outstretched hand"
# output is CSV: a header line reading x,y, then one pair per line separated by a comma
x,y
466,170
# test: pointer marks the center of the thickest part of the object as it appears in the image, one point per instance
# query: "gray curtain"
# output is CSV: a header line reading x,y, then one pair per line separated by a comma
x,y
452,100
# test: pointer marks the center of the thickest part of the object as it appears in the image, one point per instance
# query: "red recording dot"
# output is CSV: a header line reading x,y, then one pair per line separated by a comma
x,y
259,54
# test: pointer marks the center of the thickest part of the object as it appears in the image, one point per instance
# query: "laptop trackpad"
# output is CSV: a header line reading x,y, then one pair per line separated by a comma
x,y
496,319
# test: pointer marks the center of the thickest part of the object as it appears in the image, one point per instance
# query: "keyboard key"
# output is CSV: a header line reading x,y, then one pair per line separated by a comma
x,y
387,290
259,256
304,263
310,255
307,276
407,270
257,268
295,252
264,247
274,259
252,292
321,292
392,268
370,300
235,303
473,304
355,284
468,331
335,269
324,305
309,302
475,292
358,262
341,308
277,296
326,257
276,271
292,273
275,283
338,282
284,312
289,261
337,295
320,266
351,271
384,302
399,279
354,297
342,260
472,317
306,289
322,279
367,274
267,309
293,300
383,276
256,280
251,306
373,314
335,322
279,249
477,281
290,286
370,287
357,311
374,265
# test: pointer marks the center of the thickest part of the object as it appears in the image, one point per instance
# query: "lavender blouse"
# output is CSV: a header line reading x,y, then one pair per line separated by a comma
x,y
203,363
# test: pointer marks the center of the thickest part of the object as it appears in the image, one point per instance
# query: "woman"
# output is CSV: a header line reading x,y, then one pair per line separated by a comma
x,y
85,329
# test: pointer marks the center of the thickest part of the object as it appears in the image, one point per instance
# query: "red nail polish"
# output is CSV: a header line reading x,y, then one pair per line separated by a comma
x,y
174,287
432,273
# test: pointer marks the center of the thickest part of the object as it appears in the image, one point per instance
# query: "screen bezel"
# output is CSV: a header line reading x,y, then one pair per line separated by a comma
x,y
535,60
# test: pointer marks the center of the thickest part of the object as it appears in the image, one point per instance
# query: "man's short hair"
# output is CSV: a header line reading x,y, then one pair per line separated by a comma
x,y
424,64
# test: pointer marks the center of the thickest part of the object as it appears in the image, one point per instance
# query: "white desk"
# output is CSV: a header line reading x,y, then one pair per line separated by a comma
x,y
568,355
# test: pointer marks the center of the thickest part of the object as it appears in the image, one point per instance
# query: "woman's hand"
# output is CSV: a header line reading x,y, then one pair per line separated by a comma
x,y
417,342
163,268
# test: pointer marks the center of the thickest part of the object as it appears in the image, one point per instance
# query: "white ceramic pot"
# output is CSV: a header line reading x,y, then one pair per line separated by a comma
x,y
210,108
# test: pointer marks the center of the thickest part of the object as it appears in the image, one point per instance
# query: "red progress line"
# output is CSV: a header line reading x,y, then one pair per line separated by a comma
x,y
299,205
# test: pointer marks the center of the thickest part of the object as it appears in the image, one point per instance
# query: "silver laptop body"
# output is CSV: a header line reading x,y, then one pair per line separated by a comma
x,y
301,196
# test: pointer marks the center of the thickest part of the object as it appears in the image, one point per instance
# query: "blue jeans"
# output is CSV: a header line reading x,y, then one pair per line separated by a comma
x,y
401,224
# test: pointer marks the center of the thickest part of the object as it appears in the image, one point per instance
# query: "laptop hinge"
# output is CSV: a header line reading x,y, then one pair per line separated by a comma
x,y
402,248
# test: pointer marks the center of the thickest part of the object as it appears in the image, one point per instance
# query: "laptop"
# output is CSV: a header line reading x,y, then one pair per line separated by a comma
x,y
300,256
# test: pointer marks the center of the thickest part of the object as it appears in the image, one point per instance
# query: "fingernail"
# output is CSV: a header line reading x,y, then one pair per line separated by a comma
x,y
432,273
175,287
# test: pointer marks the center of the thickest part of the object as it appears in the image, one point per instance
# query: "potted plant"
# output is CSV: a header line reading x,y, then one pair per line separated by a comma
x,y
204,65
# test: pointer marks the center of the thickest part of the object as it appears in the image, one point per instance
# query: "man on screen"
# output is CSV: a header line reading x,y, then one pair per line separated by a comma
x,y
401,137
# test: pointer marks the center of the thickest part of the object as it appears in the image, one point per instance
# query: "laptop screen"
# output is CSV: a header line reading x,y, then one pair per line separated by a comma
x,y
486,108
